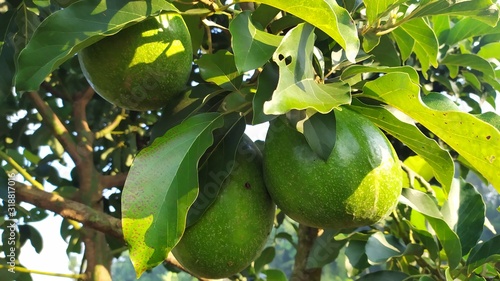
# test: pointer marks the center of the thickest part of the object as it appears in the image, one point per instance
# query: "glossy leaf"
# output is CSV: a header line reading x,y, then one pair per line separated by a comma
x,y
407,132
483,253
161,186
265,257
380,248
216,165
423,204
359,69
376,8
297,88
469,60
274,275
465,212
319,131
490,51
469,27
483,10
425,42
7,54
404,41
267,83
67,31
220,68
340,25
252,47
477,141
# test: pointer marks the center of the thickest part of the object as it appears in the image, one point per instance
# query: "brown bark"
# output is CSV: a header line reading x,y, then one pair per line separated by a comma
x,y
70,209
307,236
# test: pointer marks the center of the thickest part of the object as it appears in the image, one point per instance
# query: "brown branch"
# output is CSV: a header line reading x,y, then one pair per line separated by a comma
x,y
109,181
60,131
70,209
79,212
307,235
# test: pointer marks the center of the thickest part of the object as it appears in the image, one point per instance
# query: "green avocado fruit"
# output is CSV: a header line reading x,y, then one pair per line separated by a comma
x,y
359,184
234,229
143,66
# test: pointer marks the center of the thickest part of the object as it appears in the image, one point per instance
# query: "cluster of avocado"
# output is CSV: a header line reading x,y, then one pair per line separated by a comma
x,y
148,64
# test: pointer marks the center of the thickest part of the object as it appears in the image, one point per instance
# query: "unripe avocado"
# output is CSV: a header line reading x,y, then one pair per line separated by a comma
x,y
235,228
359,184
143,66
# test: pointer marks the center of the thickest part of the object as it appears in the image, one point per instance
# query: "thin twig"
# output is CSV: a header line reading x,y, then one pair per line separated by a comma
x,y
414,175
25,270
60,131
21,170
111,126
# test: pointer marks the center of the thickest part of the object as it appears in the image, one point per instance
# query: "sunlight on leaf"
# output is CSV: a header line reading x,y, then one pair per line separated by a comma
x,y
161,186
297,88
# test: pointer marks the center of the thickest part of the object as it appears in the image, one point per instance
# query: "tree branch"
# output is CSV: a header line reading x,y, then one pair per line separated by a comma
x,y
60,131
79,212
70,209
109,181
306,235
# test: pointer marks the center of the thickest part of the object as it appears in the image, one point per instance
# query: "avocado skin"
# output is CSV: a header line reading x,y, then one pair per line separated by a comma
x,y
358,185
234,229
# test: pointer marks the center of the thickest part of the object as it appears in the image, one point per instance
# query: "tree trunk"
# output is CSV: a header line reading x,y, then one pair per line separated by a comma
x,y
307,236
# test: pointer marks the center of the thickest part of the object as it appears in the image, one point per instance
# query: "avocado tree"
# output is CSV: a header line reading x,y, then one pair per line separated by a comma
x,y
418,74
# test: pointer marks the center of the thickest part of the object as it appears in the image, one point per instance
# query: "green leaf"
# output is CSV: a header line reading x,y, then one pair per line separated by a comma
x,y
469,27
359,69
274,275
216,165
384,275
484,10
267,83
319,131
297,88
484,253
404,41
425,42
28,232
492,118
407,132
381,247
158,193
386,53
490,51
219,68
7,54
423,204
377,8
252,47
339,25
469,60
67,31
477,141
465,212
325,249
265,257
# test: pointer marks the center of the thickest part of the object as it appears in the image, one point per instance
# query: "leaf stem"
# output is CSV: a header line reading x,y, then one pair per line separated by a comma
x,y
111,126
21,170
25,270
